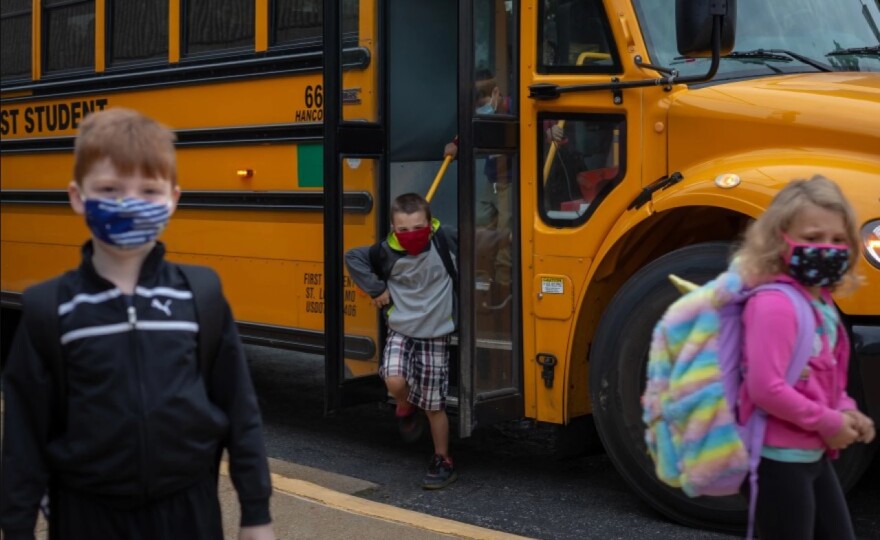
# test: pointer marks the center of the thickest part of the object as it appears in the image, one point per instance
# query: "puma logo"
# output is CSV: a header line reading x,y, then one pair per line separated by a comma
x,y
164,308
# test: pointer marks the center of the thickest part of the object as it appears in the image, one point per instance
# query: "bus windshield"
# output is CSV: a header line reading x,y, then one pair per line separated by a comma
x,y
842,35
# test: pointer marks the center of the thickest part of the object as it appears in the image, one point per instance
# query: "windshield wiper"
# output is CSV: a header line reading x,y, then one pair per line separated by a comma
x,y
780,54
856,51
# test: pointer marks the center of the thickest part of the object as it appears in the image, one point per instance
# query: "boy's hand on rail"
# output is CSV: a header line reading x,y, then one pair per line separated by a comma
x,y
451,149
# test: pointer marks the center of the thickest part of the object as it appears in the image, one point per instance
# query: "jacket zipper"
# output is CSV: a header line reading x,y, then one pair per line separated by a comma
x,y
132,321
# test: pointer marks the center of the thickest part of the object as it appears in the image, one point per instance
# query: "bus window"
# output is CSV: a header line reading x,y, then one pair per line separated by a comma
x,y
15,39
139,31
493,57
300,22
217,25
582,162
68,35
575,37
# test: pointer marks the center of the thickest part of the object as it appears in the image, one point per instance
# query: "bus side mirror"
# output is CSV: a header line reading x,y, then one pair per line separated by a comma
x,y
694,22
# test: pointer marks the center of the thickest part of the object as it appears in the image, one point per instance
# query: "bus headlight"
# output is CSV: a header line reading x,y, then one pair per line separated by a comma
x,y
871,240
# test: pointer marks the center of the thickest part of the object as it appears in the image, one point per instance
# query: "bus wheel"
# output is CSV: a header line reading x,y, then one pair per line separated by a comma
x,y
618,362
618,359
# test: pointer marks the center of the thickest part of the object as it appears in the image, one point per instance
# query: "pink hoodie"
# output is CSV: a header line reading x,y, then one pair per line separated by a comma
x,y
800,415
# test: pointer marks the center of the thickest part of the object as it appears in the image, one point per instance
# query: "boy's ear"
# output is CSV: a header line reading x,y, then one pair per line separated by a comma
x,y
75,196
175,197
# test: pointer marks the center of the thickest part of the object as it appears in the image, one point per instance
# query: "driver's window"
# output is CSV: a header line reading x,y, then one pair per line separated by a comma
x,y
583,161
575,37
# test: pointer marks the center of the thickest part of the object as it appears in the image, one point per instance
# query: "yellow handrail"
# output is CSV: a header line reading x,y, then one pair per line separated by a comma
x,y
548,163
446,161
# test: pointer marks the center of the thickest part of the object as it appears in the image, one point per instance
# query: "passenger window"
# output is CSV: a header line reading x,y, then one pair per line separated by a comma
x,y
15,39
575,38
68,35
139,31
583,161
217,25
301,22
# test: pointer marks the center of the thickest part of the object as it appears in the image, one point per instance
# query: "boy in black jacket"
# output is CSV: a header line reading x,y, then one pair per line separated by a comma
x,y
135,454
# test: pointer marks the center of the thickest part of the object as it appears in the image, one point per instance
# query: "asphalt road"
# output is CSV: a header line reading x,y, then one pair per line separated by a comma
x,y
509,480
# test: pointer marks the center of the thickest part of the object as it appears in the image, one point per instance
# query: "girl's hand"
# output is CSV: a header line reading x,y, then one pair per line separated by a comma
x,y
864,425
257,532
382,300
845,436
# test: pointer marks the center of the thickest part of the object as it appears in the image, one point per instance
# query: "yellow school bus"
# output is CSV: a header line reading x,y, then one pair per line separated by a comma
x,y
602,145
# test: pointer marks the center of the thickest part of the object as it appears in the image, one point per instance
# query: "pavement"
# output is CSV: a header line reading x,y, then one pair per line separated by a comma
x,y
310,503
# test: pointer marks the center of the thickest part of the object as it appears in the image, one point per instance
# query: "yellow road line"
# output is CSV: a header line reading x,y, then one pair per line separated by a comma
x,y
364,507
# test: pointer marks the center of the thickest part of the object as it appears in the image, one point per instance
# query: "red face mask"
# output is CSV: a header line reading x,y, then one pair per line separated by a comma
x,y
414,242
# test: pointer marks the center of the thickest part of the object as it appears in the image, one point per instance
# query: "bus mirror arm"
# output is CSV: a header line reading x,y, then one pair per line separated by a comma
x,y
549,91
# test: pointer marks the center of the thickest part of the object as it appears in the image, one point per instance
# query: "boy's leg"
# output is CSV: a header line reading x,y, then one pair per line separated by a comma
x,y
394,370
439,431
431,378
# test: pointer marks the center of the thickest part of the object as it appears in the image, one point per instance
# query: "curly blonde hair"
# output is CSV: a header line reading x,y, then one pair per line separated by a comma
x,y
759,258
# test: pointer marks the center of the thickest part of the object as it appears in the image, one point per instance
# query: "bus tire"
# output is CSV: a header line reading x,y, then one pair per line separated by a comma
x,y
618,360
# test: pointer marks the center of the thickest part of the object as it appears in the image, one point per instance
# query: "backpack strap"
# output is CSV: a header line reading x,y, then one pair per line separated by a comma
x,y
442,245
806,329
208,298
40,317
376,260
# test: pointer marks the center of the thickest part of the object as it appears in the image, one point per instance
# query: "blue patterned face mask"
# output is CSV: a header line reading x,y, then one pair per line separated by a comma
x,y
126,223
486,109
819,265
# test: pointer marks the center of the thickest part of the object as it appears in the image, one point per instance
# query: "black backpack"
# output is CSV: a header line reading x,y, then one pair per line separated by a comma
x,y
40,317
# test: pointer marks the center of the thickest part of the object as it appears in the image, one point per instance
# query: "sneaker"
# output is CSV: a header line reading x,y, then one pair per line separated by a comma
x,y
410,424
441,473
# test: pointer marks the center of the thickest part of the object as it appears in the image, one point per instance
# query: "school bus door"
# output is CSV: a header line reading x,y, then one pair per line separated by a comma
x,y
354,143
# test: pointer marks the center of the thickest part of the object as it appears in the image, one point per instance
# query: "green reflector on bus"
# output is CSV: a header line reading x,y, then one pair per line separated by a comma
x,y
310,165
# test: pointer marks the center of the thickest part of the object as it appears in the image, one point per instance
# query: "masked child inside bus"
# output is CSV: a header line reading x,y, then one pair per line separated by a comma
x,y
122,427
410,277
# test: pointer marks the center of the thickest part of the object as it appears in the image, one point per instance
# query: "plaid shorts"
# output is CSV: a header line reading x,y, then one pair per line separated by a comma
x,y
423,363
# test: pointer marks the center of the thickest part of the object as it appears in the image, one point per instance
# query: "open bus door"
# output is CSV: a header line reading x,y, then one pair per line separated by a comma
x,y
490,344
427,61
354,166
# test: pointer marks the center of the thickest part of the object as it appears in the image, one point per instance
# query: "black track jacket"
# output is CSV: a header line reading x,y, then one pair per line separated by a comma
x,y
140,425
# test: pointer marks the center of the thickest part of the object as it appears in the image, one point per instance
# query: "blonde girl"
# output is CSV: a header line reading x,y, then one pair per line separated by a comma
x,y
807,238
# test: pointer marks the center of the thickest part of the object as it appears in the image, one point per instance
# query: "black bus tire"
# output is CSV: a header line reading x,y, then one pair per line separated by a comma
x,y
618,360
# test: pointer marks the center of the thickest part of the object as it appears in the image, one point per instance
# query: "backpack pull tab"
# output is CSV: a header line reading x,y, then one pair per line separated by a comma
x,y
548,365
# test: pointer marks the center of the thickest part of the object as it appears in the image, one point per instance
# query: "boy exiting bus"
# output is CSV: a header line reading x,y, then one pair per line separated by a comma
x,y
410,277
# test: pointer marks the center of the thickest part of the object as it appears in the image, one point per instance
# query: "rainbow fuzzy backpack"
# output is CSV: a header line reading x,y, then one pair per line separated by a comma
x,y
694,375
